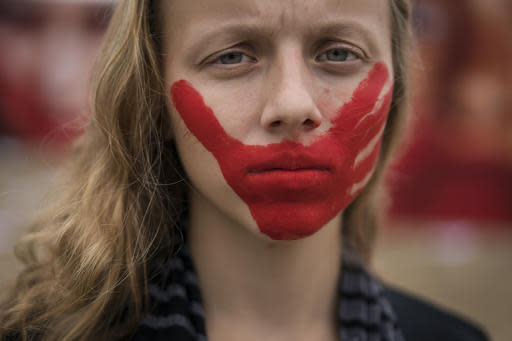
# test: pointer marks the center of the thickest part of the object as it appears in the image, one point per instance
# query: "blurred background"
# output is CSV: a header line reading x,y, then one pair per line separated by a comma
x,y
448,233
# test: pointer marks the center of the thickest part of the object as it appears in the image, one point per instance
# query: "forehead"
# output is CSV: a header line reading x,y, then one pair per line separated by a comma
x,y
193,16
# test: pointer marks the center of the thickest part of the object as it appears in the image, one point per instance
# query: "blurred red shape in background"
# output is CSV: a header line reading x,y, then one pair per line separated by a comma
x,y
48,48
458,163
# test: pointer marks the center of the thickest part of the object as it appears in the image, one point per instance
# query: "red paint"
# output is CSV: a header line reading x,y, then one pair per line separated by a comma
x,y
293,190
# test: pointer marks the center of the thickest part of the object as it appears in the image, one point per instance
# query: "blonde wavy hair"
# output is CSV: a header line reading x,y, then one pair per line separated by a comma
x,y
87,259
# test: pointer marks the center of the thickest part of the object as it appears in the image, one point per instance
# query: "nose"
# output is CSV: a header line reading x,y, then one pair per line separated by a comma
x,y
291,110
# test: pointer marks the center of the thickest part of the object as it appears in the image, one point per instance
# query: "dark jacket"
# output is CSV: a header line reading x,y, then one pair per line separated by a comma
x,y
422,321
418,320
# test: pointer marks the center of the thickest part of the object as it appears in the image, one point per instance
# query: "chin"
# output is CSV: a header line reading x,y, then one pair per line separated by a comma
x,y
293,221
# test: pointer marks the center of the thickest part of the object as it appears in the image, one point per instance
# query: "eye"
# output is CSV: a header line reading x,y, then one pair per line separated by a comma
x,y
337,55
233,58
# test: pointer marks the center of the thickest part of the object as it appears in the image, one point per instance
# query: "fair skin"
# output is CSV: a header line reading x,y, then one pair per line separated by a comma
x,y
283,80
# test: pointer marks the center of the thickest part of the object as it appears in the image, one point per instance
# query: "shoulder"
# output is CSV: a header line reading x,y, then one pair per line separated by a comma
x,y
423,321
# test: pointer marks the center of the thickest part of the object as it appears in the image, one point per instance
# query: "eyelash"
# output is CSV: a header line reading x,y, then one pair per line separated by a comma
x,y
217,60
351,57
348,51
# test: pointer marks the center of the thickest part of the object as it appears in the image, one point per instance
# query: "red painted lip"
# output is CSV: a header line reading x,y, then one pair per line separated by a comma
x,y
288,173
305,175
291,171
290,162
289,185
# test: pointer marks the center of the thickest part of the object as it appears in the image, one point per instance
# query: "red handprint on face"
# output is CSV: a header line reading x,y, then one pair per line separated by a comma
x,y
293,190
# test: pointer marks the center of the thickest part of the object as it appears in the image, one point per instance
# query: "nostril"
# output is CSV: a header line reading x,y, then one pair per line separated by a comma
x,y
275,124
309,123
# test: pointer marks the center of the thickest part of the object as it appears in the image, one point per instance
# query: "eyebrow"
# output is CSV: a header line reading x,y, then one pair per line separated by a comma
x,y
345,28
231,32
339,27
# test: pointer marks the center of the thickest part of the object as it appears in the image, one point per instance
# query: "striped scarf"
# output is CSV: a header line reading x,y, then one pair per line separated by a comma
x,y
365,314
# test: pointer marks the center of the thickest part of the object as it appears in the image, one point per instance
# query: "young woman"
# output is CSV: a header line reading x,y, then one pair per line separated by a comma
x,y
225,188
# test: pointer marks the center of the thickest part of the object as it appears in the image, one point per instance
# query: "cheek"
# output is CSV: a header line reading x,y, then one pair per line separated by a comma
x,y
236,108
328,106
331,99
202,169
200,166
190,144
195,159
190,151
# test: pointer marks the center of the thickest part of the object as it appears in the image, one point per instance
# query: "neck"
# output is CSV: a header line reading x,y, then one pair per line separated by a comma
x,y
252,284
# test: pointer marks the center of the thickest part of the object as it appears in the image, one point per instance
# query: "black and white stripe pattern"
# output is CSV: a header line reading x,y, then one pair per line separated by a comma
x,y
365,314
177,313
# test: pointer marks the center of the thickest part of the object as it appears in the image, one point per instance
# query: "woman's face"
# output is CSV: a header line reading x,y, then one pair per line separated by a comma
x,y
278,107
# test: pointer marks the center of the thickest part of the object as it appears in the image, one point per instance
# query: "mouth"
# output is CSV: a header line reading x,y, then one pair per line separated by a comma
x,y
289,170
290,164
289,174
